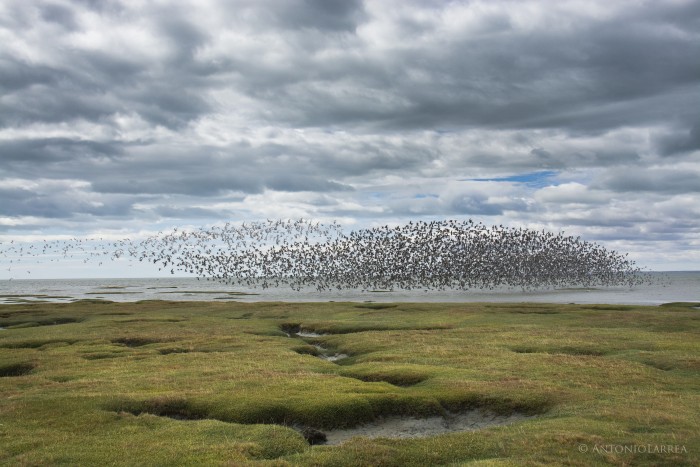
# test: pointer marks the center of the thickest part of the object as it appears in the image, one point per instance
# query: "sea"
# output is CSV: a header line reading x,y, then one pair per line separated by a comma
x,y
662,287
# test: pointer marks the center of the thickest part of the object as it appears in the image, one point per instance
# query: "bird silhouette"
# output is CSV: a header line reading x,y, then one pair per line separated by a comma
x,y
439,255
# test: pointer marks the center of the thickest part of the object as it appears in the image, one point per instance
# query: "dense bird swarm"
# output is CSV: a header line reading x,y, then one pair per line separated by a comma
x,y
300,253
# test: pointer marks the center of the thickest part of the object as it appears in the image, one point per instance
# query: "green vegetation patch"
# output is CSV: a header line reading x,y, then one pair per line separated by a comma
x,y
693,305
307,350
398,375
8,323
214,383
137,341
34,343
567,350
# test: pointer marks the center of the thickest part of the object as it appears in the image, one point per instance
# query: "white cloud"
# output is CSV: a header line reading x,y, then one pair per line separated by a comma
x,y
121,114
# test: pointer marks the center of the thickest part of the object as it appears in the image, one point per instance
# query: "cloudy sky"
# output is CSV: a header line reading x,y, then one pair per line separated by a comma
x,y
127,117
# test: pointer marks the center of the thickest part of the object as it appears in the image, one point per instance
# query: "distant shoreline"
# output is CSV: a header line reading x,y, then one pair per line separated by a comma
x,y
666,287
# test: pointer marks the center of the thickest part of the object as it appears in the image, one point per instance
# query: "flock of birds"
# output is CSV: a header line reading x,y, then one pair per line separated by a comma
x,y
300,253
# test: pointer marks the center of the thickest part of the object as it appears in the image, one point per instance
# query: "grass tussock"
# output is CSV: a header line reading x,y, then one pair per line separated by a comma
x,y
7,323
566,350
172,407
212,383
306,350
39,344
397,375
137,341
376,306
682,305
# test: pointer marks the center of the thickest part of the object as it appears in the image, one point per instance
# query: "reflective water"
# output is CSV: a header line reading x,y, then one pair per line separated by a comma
x,y
665,287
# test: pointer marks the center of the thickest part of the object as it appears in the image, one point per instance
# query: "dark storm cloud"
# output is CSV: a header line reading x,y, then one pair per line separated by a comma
x,y
58,14
511,79
680,141
656,180
304,183
191,213
364,158
201,171
217,182
14,199
325,15
24,155
471,205
17,75
178,182
91,84
59,201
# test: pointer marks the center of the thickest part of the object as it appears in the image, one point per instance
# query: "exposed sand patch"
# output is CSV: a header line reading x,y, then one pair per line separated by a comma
x,y
304,333
411,427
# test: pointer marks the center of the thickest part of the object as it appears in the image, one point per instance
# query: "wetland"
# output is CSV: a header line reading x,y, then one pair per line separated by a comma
x,y
97,382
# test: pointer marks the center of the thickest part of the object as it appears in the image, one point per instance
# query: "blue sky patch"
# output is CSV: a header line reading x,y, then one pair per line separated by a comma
x,y
532,179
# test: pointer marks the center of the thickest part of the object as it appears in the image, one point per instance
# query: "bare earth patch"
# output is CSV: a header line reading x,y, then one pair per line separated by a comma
x,y
412,427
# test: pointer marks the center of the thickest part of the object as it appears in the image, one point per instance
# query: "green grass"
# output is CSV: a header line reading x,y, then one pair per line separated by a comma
x,y
211,383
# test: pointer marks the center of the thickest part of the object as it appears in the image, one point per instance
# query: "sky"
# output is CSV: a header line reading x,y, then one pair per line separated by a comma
x,y
124,118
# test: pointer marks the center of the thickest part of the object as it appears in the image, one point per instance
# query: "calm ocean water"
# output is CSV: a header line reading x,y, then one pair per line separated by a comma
x,y
665,287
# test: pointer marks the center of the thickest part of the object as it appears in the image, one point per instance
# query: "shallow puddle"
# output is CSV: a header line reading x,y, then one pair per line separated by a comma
x,y
411,427
303,333
324,353
335,357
